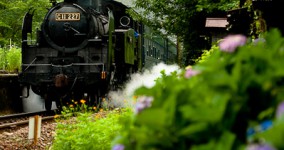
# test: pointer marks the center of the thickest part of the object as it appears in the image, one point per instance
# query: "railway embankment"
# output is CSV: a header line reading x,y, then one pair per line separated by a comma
x,y
9,94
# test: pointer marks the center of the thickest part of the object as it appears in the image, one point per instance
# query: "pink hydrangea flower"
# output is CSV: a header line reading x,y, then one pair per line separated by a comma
x,y
142,103
231,42
190,72
280,110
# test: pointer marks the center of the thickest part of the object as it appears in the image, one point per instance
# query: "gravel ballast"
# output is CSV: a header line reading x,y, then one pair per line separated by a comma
x,y
16,138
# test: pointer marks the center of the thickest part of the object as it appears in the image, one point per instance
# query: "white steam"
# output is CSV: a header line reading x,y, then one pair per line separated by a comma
x,y
146,78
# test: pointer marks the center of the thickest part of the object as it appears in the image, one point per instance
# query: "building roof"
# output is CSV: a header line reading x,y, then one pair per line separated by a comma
x,y
216,22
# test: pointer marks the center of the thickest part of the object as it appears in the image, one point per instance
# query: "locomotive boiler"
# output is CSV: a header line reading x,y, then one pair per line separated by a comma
x,y
83,49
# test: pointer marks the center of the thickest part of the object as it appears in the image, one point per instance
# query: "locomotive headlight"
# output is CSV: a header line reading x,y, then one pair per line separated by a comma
x,y
124,21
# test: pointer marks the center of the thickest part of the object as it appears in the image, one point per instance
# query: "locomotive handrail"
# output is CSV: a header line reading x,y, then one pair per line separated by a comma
x,y
28,40
35,65
95,40
28,65
61,66
69,65
75,64
88,64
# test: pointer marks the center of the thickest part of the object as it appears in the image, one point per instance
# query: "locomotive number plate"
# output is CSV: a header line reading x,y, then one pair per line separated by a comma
x,y
67,16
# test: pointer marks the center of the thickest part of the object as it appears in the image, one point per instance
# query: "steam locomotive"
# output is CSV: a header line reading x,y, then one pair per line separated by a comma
x,y
83,49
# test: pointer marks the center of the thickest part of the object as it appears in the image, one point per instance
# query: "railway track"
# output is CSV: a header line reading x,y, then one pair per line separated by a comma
x,y
15,131
14,120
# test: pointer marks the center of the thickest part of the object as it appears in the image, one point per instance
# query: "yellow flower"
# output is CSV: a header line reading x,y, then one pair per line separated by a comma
x,y
71,106
104,99
101,110
98,116
56,116
94,107
82,101
76,102
72,100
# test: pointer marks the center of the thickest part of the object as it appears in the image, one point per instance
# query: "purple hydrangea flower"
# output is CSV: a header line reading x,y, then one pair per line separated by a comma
x,y
190,72
118,147
259,147
231,42
280,110
259,40
142,103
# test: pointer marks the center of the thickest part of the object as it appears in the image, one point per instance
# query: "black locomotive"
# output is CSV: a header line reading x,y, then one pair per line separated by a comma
x,y
83,49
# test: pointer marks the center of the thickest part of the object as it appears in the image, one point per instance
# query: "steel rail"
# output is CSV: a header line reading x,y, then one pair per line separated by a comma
x,y
22,122
21,115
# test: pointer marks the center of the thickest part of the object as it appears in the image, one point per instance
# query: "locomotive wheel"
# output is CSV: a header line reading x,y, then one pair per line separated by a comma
x,y
116,80
48,103
113,81
51,96
58,104
96,98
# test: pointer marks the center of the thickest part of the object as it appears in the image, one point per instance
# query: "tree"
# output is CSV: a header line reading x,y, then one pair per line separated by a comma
x,y
11,17
182,18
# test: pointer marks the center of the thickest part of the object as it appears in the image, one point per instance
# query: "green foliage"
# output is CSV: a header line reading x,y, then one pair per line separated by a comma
x,y
11,18
214,109
185,19
274,135
206,54
173,16
10,59
14,57
73,108
89,131
2,59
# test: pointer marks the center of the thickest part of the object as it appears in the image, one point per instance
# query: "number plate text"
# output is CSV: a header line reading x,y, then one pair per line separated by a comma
x,y
67,16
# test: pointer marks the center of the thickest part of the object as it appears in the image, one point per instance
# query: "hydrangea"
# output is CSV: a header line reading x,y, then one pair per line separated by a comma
x,y
142,103
259,147
259,40
265,125
118,147
190,72
280,110
231,42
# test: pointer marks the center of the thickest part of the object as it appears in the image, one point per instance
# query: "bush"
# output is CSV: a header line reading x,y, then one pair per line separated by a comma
x,y
2,59
14,59
206,54
10,59
89,131
214,104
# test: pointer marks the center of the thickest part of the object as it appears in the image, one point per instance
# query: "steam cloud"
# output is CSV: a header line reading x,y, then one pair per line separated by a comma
x,y
124,97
